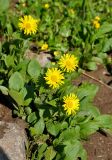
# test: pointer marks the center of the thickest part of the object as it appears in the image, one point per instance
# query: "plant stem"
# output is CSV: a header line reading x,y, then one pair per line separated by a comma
x,y
99,81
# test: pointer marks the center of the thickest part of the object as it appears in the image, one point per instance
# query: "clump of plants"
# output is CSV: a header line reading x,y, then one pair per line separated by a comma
x,y
73,25
60,114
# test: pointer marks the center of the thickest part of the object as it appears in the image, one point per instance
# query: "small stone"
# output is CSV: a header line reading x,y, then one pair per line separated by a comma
x,y
12,141
43,58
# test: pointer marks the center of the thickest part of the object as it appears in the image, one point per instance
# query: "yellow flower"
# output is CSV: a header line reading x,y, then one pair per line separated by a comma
x,y
44,47
68,62
56,53
71,11
54,77
97,18
28,24
96,24
46,5
24,4
71,104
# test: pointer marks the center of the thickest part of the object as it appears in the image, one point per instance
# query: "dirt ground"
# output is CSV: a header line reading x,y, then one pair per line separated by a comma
x,y
98,146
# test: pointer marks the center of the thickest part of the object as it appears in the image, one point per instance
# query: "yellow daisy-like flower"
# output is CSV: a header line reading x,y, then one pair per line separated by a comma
x,y
71,11
44,47
97,18
46,5
71,104
24,4
54,77
28,24
96,24
56,53
68,62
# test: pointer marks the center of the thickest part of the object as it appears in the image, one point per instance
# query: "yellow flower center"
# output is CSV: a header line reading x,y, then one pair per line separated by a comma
x,y
28,25
70,104
68,63
54,78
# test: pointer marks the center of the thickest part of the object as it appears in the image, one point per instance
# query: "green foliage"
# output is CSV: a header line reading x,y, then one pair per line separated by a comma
x,y
72,150
9,60
92,66
16,81
87,91
34,69
4,90
38,127
105,28
50,153
4,5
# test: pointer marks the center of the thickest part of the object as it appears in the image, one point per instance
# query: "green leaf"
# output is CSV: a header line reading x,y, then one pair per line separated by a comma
x,y
64,125
16,81
22,68
9,60
105,121
67,89
82,153
34,69
72,150
9,28
4,90
4,4
28,110
23,91
52,102
17,96
70,134
107,45
41,150
98,60
32,117
88,128
27,101
33,131
65,30
39,126
89,109
92,66
52,128
86,92
50,153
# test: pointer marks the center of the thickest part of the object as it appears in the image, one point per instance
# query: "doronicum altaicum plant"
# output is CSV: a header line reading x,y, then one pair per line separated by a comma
x,y
60,114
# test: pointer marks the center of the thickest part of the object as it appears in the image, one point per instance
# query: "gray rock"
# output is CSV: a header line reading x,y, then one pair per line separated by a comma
x,y
43,57
12,141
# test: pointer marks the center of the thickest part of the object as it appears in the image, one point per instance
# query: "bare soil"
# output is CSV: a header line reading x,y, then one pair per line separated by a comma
x,y
99,145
